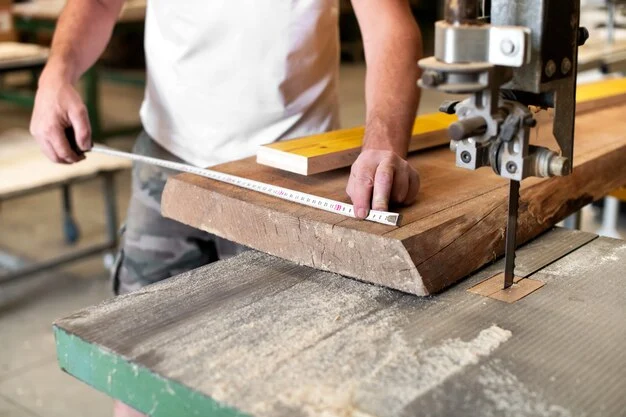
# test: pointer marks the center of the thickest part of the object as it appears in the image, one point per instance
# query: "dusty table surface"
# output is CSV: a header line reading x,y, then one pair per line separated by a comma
x,y
258,335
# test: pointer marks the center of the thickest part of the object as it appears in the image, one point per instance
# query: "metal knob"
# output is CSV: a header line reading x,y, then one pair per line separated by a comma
x,y
467,128
547,163
583,35
560,166
431,78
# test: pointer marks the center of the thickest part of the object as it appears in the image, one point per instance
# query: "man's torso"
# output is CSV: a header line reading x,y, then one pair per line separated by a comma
x,y
225,76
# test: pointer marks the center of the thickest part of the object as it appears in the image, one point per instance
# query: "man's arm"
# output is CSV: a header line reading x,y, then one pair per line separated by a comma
x,y
83,31
393,45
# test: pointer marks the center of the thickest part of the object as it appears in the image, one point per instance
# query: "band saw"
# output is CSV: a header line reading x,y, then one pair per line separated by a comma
x,y
508,56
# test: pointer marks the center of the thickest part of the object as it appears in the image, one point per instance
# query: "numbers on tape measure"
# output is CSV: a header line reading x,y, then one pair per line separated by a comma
x,y
321,203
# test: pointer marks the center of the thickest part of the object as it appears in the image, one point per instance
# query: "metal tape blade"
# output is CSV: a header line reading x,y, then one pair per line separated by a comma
x,y
321,203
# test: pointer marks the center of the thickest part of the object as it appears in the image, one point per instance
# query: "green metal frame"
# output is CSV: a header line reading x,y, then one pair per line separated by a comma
x,y
18,97
71,230
91,79
134,385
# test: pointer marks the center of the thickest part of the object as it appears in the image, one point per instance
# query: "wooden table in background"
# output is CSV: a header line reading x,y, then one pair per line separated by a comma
x,y
24,170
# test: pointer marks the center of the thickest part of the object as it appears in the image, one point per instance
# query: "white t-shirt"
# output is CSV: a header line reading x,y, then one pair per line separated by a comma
x,y
225,76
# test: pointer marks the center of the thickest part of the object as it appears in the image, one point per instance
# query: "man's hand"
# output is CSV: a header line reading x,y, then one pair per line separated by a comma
x,y
57,106
379,177
393,45
82,32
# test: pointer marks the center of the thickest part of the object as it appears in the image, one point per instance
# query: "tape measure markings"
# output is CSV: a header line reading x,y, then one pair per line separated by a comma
x,y
332,206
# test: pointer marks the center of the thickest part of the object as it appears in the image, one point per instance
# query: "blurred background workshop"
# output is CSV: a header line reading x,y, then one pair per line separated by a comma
x,y
59,224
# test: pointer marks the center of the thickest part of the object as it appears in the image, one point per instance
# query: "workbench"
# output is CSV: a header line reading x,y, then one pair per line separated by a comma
x,y
258,335
25,171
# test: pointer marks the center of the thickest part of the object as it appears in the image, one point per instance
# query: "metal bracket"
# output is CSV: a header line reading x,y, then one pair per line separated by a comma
x,y
506,46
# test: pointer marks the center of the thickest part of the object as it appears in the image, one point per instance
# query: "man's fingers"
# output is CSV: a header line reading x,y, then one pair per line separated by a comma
x,y
383,183
379,177
400,185
56,138
414,187
82,128
360,189
48,150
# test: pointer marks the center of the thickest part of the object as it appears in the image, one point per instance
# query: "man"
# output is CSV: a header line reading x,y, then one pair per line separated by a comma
x,y
224,77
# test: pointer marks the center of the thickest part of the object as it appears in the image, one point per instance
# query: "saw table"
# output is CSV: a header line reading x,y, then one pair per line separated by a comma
x,y
261,336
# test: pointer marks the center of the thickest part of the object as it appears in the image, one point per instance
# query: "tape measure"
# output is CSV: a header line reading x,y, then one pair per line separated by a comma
x,y
383,217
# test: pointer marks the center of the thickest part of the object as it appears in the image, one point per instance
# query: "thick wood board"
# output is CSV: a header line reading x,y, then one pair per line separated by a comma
x,y
338,149
23,166
258,335
456,226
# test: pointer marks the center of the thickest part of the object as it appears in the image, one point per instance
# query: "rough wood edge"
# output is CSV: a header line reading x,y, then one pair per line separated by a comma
x,y
319,245
542,204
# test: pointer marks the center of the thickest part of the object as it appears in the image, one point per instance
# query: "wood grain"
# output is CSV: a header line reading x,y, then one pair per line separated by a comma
x,y
456,226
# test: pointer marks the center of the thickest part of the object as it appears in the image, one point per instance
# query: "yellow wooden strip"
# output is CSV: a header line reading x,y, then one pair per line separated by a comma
x,y
601,89
344,139
302,146
432,122
620,194
350,140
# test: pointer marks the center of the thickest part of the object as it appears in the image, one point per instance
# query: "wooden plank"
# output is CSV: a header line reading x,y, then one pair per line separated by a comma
x,y
456,226
257,335
17,54
23,166
338,149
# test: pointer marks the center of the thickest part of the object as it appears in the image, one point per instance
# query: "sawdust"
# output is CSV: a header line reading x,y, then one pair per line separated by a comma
x,y
367,369
343,350
414,371
510,397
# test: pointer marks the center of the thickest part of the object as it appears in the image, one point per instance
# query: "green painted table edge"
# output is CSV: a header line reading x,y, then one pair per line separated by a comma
x,y
134,385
